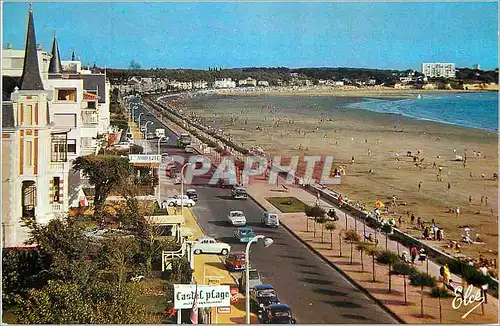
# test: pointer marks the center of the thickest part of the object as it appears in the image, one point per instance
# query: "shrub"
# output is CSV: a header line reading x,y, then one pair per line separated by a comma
x,y
440,292
387,257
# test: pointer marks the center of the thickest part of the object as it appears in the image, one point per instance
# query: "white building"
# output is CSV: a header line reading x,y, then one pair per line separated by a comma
x,y
50,116
200,84
446,70
224,83
263,83
247,82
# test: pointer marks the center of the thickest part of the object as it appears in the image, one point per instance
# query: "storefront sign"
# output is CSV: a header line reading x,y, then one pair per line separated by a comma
x,y
143,158
208,296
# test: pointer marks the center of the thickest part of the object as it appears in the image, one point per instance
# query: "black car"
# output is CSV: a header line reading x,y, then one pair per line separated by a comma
x,y
191,193
277,314
262,296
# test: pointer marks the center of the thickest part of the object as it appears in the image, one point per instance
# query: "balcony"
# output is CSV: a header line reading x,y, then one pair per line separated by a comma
x,y
90,117
57,208
59,166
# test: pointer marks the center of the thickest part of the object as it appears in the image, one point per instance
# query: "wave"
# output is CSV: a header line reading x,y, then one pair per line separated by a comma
x,y
471,110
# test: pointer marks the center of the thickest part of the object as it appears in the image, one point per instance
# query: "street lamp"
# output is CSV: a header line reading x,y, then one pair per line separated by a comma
x,y
182,187
146,128
140,119
267,243
159,142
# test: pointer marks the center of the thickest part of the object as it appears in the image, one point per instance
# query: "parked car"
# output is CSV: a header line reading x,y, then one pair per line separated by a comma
x,y
150,135
189,149
270,219
235,261
244,234
239,193
278,313
177,201
207,245
237,218
254,280
192,194
262,296
225,183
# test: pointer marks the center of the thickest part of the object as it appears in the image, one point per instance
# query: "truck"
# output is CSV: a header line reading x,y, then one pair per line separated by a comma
x,y
160,132
183,140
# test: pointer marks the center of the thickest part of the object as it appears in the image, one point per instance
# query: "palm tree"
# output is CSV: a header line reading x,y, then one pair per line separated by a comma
x,y
321,220
388,258
352,236
330,226
422,279
387,230
313,211
373,251
404,269
362,247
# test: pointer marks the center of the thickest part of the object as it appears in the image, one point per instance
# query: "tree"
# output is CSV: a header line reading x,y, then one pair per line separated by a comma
x,y
321,221
422,280
373,251
119,253
105,172
315,212
352,236
388,258
181,271
330,226
404,269
387,230
362,247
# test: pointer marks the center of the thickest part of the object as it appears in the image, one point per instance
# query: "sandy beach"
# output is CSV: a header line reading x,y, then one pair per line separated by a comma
x,y
379,142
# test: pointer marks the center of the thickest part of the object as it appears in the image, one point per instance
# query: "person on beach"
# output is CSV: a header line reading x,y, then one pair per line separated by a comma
x,y
482,200
412,219
470,199
457,212
449,186
419,185
486,201
413,254
352,159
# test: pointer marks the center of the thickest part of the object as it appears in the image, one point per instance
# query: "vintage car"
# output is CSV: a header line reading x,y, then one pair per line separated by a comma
x,y
239,193
244,234
235,261
207,245
192,194
178,201
262,296
225,183
237,218
277,313
270,219
254,280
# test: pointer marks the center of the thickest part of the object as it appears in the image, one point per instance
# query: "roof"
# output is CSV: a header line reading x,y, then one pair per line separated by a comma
x,y
7,115
95,82
8,85
279,306
90,96
31,79
55,66
264,287
245,228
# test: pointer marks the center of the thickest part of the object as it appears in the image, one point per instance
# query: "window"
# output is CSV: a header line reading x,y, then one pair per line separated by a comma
x,y
28,159
56,189
66,95
28,199
91,105
59,148
72,146
28,115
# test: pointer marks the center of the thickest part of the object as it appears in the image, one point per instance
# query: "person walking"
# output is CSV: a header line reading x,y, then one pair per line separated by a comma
x,y
419,185
457,211
470,199
449,186
413,254
486,201
412,218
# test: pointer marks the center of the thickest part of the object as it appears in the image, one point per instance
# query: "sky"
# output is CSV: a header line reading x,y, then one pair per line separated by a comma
x,y
198,35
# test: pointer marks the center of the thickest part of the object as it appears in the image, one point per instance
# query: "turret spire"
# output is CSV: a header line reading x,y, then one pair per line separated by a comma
x,y
30,79
73,56
55,66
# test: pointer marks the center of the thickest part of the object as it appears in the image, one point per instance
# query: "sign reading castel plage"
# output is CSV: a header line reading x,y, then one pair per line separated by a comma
x,y
208,296
143,158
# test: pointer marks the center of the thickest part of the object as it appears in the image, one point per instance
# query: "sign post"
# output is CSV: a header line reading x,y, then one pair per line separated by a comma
x,y
208,296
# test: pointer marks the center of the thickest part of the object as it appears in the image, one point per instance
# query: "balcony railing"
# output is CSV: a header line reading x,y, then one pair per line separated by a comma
x,y
57,207
90,117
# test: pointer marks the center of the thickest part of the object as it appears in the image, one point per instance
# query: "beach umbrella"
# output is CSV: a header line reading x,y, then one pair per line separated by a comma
x,y
378,203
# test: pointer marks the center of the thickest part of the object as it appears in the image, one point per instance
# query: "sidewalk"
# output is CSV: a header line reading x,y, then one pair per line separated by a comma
x,y
211,267
296,223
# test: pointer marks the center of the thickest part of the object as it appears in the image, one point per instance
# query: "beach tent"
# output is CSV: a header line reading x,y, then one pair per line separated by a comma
x,y
378,203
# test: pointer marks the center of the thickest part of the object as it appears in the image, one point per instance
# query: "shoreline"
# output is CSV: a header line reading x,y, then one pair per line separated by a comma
x,y
353,132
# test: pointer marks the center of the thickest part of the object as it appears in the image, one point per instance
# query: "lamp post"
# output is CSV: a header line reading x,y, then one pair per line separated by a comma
x,y
140,119
267,243
146,128
182,187
159,142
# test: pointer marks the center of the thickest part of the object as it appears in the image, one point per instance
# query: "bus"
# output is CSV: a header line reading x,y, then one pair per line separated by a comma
x,y
183,140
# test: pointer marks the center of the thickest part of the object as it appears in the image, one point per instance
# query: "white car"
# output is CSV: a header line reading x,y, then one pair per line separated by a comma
x,y
237,218
209,245
189,149
178,201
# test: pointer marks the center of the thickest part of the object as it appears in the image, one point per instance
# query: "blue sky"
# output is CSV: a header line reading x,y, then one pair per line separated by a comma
x,y
200,34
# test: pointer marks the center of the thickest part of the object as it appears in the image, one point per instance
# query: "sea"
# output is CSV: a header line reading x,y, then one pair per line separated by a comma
x,y
478,110
472,110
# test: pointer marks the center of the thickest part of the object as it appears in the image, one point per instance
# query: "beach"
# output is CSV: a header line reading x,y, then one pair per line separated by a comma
x,y
379,143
